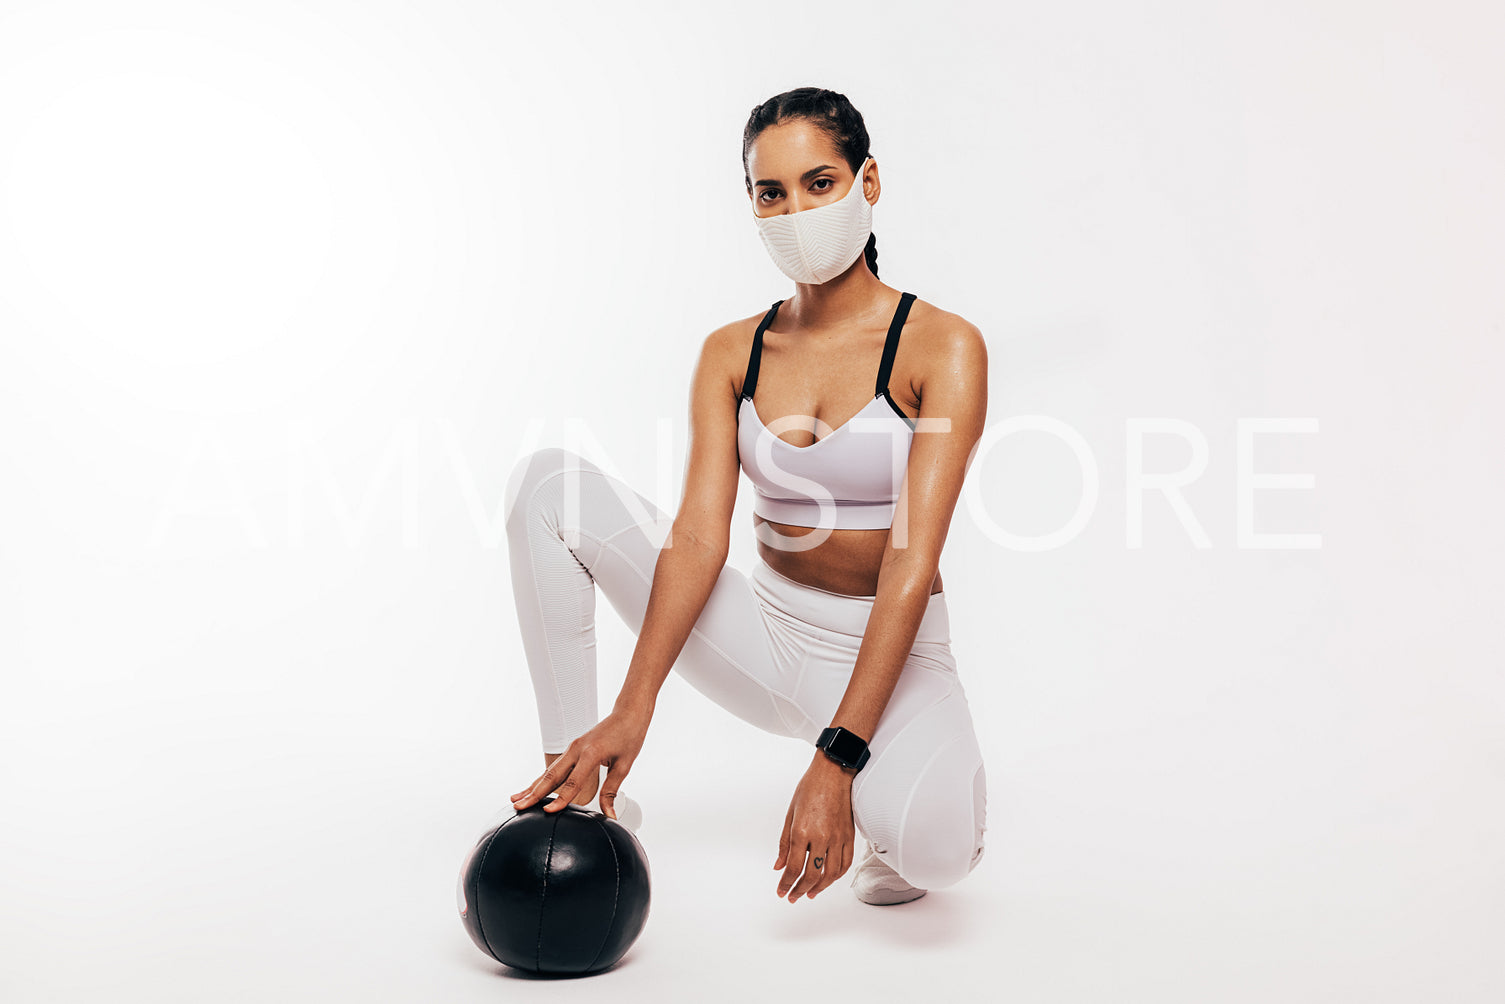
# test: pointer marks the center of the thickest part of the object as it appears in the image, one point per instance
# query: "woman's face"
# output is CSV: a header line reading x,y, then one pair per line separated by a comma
x,y
794,166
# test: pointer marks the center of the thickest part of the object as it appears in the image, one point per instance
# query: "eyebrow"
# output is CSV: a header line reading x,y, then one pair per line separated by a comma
x,y
804,177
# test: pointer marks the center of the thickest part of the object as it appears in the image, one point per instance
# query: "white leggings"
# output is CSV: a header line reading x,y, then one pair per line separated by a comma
x,y
774,652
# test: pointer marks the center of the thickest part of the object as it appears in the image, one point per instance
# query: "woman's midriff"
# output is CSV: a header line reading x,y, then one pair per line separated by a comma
x,y
847,561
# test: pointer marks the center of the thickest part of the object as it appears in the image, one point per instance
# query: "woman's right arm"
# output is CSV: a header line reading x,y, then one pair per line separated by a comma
x,y
688,566
699,539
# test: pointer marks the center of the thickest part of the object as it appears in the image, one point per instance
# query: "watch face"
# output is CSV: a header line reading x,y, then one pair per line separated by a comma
x,y
845,746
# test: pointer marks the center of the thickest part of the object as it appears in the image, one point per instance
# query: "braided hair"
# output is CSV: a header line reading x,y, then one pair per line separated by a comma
x,y
829,112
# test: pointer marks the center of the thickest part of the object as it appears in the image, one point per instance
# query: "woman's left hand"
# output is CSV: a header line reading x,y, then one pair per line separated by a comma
x,y
819,837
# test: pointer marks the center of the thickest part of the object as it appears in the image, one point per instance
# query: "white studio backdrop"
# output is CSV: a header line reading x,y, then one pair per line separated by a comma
x,y
287,289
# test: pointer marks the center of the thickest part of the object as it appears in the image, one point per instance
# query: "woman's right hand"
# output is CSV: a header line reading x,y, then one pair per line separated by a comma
x,y
614,743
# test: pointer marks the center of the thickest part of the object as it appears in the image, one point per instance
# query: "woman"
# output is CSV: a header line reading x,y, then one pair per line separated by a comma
x,y
840,636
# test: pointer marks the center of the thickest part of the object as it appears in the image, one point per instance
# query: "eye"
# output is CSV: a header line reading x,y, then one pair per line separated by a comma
x,y
762,196
830,183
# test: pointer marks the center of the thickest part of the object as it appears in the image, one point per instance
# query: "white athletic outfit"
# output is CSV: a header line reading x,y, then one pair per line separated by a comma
x,y
773,651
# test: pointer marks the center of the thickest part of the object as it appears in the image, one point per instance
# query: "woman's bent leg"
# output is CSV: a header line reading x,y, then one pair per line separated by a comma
x,y
921,799
925,802
572,528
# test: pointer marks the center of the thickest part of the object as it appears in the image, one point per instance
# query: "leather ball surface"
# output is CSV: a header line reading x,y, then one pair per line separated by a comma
x,y
563,893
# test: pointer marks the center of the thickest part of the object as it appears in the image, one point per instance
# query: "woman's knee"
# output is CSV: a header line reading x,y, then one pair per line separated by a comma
x,y
530,470
941,840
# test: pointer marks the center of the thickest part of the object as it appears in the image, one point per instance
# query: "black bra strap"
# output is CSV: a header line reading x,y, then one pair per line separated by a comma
x,y
750,380
891,347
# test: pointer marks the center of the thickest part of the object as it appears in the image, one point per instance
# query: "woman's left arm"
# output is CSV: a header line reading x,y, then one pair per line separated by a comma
x,y
953,410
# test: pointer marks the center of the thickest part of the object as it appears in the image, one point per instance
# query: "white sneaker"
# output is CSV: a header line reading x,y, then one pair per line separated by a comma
x,y
873,881
629,813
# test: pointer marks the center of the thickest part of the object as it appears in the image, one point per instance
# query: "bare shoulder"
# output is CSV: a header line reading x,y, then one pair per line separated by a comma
x,y
729,346
947,342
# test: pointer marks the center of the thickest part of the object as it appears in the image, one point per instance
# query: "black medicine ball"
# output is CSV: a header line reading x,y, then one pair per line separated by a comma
x,y
560,894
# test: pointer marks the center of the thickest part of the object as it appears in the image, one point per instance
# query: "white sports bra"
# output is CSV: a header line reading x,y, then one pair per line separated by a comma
x,y
853,476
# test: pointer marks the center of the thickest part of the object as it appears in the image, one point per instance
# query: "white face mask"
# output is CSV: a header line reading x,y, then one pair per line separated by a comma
x,y
818,244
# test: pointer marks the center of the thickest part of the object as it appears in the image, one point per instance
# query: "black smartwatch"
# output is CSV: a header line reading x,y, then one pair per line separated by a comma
x,y
846,748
